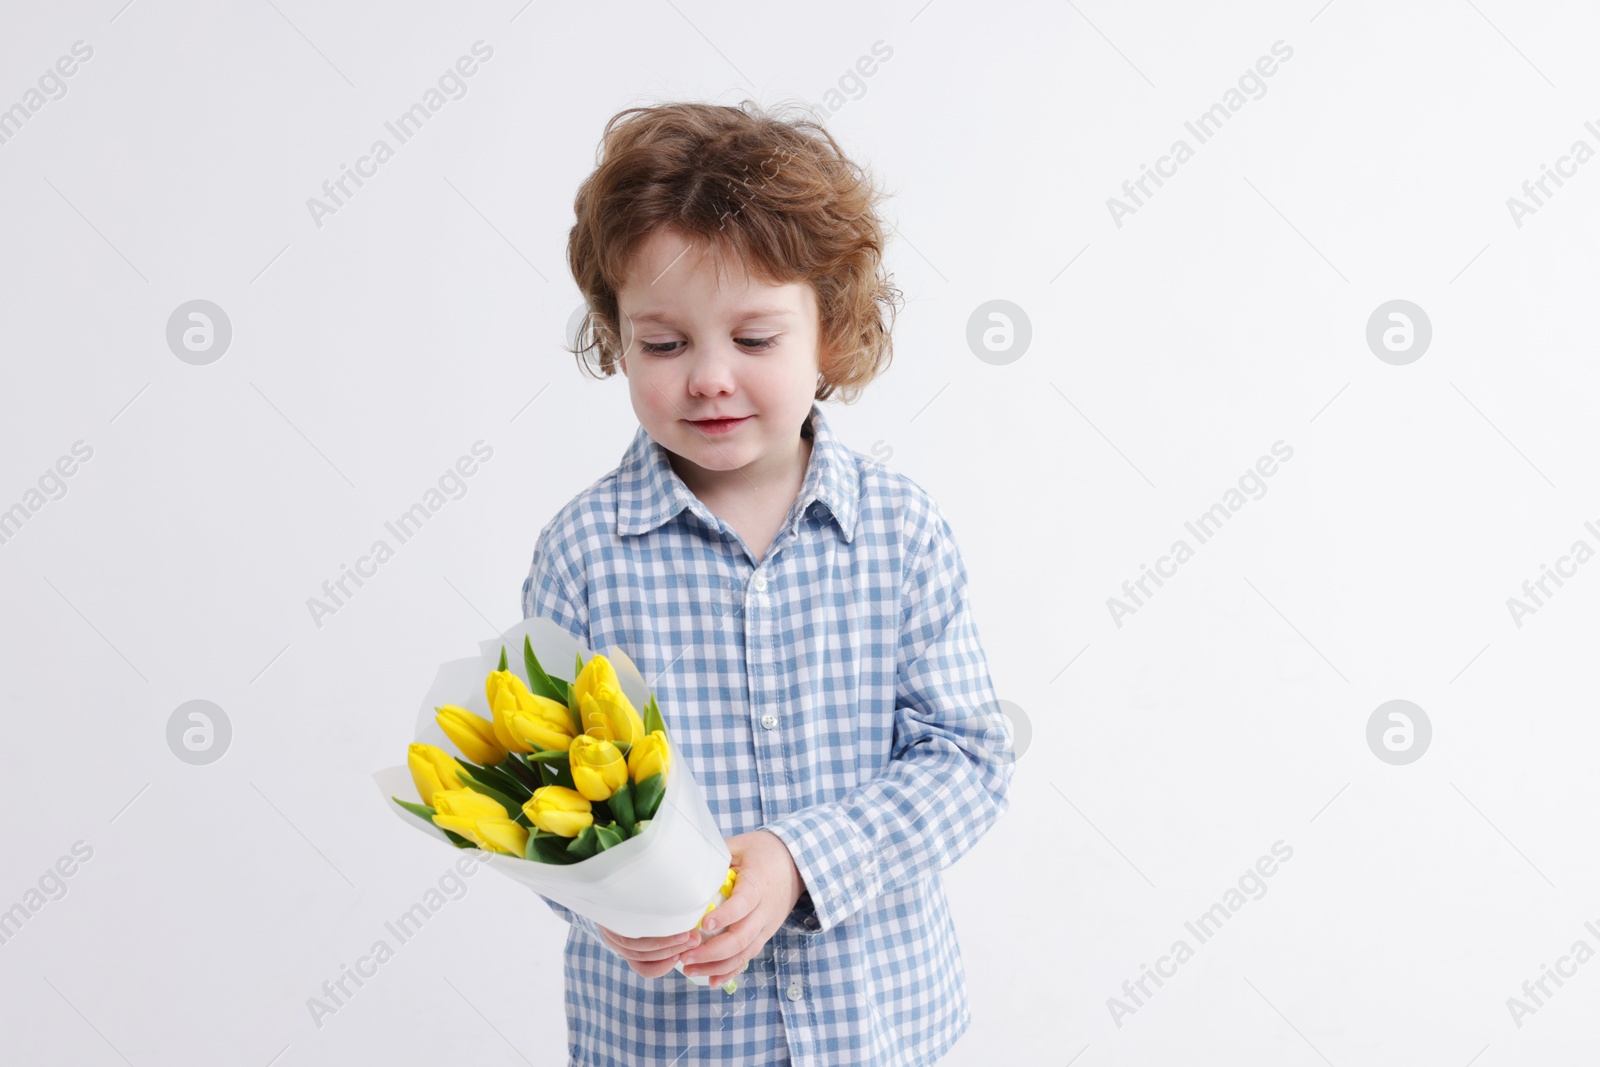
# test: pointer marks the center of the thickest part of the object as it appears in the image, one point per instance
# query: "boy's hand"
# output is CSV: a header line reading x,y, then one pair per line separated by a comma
x,y
651,957
768,886
764,894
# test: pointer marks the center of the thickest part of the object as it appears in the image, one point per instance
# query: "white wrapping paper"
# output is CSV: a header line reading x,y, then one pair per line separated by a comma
x,y
654,885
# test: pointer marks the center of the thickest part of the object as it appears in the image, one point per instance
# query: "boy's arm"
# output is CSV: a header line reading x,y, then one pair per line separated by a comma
x,y
950,773
545,593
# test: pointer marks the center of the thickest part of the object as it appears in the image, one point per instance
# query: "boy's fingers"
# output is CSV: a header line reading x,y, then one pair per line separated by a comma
x,y
731,967
646,948
651,970
730,911
720,950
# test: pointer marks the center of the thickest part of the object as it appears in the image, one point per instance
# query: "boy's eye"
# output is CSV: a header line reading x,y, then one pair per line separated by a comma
x,y
667,348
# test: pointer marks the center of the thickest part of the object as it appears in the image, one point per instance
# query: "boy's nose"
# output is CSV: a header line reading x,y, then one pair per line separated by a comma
x,y
711,374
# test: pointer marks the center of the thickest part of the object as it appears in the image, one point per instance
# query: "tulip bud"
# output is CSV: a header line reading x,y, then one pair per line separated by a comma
x,y
597,766
506,836
467,804
651,754
433,769
507,696
603,703
480,819
555,809
548,725
472,734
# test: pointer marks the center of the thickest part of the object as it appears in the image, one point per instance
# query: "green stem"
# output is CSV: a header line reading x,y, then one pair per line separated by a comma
x,y
520,770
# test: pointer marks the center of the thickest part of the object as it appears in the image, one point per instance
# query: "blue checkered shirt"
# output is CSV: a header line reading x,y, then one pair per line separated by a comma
x,y
835,694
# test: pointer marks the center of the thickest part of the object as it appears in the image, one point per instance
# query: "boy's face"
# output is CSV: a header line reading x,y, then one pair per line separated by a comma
x,y
699,343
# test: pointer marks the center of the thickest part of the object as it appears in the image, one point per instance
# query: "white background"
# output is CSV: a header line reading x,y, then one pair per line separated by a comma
x,y
1166,755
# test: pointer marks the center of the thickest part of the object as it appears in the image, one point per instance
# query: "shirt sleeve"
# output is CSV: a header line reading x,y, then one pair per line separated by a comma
x,y
547,593
949,775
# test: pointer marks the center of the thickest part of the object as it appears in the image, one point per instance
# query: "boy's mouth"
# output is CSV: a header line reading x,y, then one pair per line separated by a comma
x,y
719,425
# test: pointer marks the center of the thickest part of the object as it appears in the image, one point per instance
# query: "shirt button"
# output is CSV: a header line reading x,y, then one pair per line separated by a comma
x,y
769,720
759,583
795,993
812,922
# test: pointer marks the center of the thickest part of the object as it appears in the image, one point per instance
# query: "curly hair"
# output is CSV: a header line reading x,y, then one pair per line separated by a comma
x,y
777,193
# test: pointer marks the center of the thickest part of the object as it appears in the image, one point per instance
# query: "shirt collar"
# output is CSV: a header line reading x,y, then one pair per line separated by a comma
x,y
650,491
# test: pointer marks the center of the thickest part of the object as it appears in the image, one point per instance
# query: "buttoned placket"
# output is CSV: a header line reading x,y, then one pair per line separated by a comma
x,y
763,594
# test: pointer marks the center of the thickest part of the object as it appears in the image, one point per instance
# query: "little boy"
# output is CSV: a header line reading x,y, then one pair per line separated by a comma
x,y
800,611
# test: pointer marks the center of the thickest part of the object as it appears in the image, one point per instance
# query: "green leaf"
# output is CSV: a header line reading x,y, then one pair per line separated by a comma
x,y
621,803
427,814
548,848
558,772
607,836
539,683
574,710
492,793
502,657
640,827
499,779
527,779
647,796
652,717
585,844
549,755
415,809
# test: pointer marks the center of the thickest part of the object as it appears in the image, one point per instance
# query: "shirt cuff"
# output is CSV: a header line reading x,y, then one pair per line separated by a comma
x,y
804,916
835,861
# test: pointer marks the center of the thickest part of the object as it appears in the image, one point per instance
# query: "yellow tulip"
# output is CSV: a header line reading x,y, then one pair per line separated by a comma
x,y
597,766
473,735
433,769
466,804
501,835
507,695
480,819
555,809
650,755
603,704
547,726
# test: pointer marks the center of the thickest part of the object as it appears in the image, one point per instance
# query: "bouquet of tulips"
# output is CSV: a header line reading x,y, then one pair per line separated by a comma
x,y
566,786
577,763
